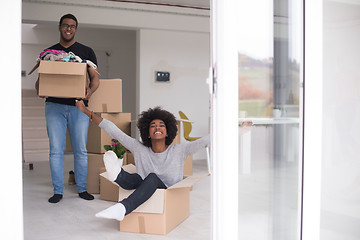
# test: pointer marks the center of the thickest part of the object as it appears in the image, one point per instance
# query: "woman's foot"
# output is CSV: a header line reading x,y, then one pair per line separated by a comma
x,y
112,165
114,212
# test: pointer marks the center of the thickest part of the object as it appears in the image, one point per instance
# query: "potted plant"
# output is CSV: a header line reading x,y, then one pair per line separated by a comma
x,y
116,147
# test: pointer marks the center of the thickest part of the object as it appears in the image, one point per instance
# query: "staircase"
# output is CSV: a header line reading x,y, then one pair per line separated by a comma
x,y
34,134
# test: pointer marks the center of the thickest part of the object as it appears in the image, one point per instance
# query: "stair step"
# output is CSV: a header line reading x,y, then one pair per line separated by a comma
x,y
28,93
36,144
28,122
31,156
34,132
33,111
35,139
33,101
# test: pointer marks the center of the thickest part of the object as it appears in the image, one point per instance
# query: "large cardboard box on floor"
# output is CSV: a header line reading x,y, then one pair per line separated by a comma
x,y
95,163
161,213
97,137
62,79
108,97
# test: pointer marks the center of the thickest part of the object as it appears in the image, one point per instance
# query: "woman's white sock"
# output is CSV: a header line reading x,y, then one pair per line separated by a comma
x,y
112,165
114,212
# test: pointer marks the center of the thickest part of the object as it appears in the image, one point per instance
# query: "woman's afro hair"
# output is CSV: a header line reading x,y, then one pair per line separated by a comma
x,y
146,117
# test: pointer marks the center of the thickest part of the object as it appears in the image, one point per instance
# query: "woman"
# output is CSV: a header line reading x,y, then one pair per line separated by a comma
x,y
159,164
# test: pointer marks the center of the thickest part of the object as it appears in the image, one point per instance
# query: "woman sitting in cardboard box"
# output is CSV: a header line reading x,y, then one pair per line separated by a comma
x,y
159,164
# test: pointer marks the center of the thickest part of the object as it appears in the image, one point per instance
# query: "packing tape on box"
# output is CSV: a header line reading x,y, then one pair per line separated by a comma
x,y
141,220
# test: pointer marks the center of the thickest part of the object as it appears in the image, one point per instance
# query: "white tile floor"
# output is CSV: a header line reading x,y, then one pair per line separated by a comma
x,y
74,218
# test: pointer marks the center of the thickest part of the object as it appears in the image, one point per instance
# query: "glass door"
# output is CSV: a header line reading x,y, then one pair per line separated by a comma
x,y
269,84
269,66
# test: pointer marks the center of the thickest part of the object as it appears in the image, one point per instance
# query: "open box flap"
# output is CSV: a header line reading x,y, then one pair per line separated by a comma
x,y
105,175
63,68
189,181
130,168
155,204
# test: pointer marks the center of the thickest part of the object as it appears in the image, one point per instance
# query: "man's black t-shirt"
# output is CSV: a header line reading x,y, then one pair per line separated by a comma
x,y
85,53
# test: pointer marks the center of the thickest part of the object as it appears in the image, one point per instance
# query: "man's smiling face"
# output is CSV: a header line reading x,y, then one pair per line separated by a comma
x,y
67,29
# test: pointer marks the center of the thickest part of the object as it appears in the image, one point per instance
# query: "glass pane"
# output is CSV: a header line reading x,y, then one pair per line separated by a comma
x,y
270,62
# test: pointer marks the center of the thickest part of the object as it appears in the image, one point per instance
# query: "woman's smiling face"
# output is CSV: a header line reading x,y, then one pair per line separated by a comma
x,y
157,129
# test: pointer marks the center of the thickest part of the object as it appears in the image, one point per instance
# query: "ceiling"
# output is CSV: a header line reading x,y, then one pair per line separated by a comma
x,y
197,4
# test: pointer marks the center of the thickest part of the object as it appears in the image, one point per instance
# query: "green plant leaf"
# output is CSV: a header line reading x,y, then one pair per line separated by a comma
x,y
107,147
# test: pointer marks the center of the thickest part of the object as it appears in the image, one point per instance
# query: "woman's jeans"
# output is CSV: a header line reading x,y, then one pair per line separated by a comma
x,y
144,188
59,117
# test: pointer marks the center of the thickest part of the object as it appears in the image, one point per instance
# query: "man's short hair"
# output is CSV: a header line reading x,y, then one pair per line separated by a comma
x,y
69,15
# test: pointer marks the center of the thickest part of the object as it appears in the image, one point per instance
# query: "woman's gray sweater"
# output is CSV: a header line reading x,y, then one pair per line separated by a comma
x,y
168,165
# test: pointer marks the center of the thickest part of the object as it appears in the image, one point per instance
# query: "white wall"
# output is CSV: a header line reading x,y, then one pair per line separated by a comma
x,y
117,14
186,56
341,116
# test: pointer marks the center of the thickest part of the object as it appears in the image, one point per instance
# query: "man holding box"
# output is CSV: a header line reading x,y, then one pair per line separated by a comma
x,y
61,113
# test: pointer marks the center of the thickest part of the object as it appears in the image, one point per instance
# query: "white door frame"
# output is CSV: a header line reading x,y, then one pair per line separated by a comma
x,y
312,123
11,206
224,121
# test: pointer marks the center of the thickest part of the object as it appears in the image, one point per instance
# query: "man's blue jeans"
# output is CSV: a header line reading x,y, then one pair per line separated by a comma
x,y
59,117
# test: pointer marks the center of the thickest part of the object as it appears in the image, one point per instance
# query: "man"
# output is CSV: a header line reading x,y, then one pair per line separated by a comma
x,y
61,113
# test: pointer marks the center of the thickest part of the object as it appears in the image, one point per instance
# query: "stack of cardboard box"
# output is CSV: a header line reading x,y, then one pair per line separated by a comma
x,y
106,102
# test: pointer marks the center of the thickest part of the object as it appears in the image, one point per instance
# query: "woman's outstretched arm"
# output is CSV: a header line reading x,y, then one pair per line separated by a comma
x,y
110,128
95,118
